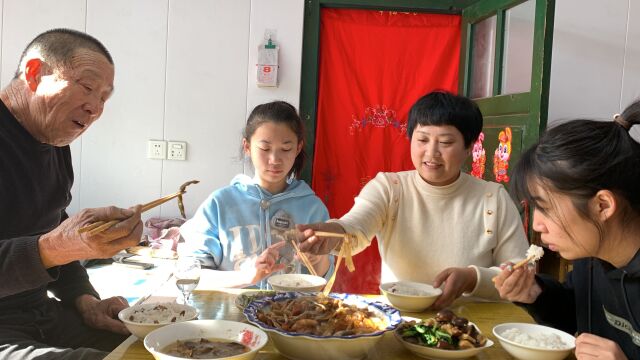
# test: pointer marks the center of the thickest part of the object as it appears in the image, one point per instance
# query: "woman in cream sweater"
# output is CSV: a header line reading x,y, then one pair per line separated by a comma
x,y
434,224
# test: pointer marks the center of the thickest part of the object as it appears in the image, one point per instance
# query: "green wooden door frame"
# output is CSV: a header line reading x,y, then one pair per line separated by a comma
x,y
535,103
311,47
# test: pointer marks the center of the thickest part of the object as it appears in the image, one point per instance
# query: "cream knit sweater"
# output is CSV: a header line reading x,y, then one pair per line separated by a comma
x,y
423,229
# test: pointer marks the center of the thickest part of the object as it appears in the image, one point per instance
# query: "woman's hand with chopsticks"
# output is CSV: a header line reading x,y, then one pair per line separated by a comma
x,y
65,244
320,238
517,284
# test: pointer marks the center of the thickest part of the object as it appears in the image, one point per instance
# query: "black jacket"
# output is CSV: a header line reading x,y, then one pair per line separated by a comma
x,y
597,298
35,185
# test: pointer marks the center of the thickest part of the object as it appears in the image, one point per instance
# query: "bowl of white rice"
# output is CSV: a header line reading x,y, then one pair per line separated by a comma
x,y
141,319
297,282
410,296
532,341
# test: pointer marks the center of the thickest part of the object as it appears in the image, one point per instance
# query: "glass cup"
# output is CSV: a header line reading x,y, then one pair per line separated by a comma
x,y
187,274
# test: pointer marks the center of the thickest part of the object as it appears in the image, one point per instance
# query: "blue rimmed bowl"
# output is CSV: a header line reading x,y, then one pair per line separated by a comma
x,y
313,347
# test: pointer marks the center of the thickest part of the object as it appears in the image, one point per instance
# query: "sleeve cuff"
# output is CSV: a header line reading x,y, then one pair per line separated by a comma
x,y
484,286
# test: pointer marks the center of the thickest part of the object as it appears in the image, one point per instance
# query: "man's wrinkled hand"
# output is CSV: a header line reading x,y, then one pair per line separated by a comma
x,y
102,314
64,244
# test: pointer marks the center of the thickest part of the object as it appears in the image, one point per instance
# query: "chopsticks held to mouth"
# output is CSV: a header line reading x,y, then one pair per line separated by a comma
x,y
100,226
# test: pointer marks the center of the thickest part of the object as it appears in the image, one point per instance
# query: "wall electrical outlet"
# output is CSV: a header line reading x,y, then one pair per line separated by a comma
x,y
177,150
157,149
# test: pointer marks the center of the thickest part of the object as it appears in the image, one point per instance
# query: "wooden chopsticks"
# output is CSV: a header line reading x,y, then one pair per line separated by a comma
x,y
304,258
290,236
524,261
520,263
100,226
329,234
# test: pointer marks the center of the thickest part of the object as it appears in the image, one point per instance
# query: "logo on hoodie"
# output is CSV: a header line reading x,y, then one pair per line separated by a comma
x,y
622,325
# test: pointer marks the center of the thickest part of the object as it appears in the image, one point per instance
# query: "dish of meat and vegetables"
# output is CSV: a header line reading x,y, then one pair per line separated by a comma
x,y
446,331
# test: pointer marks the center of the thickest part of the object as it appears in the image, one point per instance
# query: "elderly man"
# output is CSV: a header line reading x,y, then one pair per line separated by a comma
x,y
63,80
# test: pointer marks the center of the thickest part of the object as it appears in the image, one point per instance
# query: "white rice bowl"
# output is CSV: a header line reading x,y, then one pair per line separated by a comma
x,y
533,341
143,318
410,296
296,282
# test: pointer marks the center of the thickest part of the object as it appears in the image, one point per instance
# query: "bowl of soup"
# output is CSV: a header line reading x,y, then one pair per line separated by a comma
x,y
206,339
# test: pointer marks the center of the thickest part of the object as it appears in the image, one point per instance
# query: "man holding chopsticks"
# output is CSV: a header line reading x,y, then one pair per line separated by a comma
x,y
63,80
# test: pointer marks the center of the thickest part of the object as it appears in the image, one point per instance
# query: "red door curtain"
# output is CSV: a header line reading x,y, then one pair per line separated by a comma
x,y
373,66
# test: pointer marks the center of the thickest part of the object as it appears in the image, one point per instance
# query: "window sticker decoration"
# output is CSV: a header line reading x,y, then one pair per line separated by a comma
x,y
479,158
501,156
378,116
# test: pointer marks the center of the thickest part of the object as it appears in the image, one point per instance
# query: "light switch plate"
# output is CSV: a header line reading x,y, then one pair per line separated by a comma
x,y
177,150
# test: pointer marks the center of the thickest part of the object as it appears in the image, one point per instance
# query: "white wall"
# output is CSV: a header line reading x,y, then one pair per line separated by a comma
x,y
595,63
185,70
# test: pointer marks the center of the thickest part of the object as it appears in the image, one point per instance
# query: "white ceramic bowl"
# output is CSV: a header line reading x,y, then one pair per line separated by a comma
x,y
141,319
297,282
410,296
245,334
311,347
529,352
434,353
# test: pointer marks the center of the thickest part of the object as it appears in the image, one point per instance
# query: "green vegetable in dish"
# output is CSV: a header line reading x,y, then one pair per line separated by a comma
x,y
244,299
446,331
427,335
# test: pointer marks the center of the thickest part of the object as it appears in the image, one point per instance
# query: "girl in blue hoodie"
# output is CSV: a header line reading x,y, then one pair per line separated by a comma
x,y
241,227
582,177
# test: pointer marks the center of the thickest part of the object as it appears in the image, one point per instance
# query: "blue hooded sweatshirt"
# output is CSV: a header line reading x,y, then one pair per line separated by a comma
x,y
236,223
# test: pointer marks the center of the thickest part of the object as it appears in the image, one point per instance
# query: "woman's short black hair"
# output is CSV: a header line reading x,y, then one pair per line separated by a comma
x,y
441,108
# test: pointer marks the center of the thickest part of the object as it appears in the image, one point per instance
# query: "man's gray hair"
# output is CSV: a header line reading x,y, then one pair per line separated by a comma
x,y
57,46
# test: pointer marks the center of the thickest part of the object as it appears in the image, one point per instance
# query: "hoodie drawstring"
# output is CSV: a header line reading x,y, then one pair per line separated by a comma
x,y
626,300
589,294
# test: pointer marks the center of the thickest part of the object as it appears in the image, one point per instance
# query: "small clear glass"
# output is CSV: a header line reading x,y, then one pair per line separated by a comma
x,y
187,274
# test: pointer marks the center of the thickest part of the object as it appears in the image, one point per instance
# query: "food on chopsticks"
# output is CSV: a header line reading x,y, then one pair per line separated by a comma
x,y
321,316
446,331
534,253
205,348
345,251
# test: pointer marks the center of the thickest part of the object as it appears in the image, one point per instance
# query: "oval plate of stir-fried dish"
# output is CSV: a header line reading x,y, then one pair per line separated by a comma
x,y
446,336
314,327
